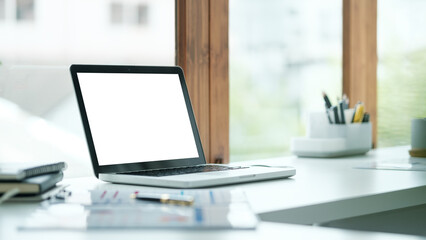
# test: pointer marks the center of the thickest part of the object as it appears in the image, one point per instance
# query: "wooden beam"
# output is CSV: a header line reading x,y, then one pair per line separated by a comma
x,y
202,52
219,81
360,55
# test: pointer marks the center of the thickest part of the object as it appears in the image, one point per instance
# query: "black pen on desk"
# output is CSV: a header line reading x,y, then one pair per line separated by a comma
x,y
183,200
336,114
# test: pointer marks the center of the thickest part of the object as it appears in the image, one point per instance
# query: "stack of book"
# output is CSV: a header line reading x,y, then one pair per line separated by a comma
x,y
29,180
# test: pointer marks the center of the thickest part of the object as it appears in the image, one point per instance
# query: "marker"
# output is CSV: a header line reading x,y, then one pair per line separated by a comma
x,y
359,113
355,107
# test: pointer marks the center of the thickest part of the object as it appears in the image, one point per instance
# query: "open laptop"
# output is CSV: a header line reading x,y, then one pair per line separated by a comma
x,y
140,129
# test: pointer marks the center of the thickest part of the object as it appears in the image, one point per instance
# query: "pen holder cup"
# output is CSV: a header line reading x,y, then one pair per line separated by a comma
x,y
332,140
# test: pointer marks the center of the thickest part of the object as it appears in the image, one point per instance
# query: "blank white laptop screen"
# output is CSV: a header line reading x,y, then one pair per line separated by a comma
x,y
137,117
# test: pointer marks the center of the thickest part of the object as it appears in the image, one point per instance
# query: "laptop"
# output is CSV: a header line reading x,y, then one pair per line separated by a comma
x,y
140,129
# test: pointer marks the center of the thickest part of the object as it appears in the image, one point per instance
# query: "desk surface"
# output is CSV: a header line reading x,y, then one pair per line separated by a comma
x,y
330,189
270,231
322,190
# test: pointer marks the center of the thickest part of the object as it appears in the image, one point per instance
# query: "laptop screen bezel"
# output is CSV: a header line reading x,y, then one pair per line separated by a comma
x,y
131,167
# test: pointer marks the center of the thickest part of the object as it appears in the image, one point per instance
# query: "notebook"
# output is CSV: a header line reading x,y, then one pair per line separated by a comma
x,y
33,185
16,171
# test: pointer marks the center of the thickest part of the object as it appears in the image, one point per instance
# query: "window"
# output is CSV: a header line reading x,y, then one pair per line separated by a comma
x,y
2,9
283,54
39,115
142,14
116,13
129,13
25,10
401,69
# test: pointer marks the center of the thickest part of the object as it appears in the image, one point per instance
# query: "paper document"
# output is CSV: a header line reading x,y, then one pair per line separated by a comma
x,y
218,209
408,164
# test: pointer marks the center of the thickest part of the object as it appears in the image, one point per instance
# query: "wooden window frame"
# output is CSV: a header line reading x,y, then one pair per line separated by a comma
x,y
202,51
360,55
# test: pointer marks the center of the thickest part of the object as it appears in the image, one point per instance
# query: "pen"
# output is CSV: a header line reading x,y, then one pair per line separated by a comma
x,y
328,114
366,117
346,101
342,112
327,101
336,114
176,199
355,107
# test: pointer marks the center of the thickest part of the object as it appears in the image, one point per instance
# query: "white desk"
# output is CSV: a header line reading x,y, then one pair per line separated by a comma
x,y
267,231
322,190
330,189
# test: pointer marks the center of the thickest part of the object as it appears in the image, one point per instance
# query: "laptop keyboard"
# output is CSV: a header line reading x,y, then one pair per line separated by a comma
x,y
184,170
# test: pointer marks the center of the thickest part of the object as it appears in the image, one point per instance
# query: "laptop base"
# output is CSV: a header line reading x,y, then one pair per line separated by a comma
x,y
205,179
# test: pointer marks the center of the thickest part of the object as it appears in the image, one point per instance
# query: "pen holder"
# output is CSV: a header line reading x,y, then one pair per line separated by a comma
x,y
332,140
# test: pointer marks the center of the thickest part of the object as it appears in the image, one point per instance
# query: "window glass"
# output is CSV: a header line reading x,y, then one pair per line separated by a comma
x,y
40,39
283,54
25,10
401,69
116,13
2,10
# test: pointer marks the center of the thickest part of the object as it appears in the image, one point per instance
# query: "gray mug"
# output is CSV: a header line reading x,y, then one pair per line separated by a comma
x,y
418,137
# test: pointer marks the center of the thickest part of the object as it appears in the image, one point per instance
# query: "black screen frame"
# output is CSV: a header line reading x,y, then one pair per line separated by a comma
x,y
130,69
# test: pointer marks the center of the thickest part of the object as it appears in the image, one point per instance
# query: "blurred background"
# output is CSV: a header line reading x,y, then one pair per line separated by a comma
x,y
40,39
283,54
